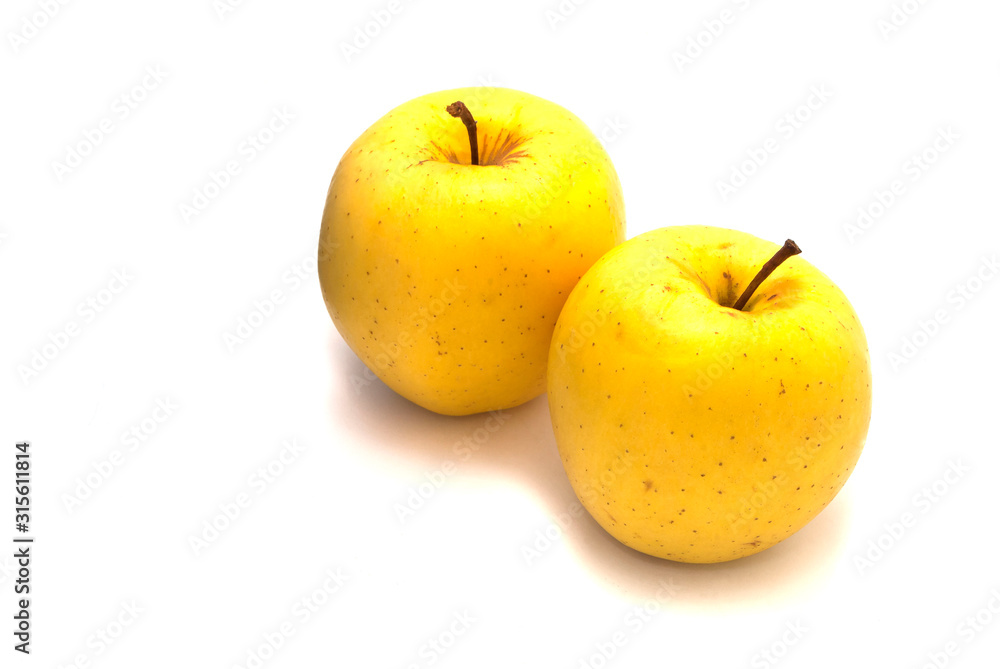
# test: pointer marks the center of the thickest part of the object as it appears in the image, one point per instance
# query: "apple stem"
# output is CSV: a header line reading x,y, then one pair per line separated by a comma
x,y
459,110
784,253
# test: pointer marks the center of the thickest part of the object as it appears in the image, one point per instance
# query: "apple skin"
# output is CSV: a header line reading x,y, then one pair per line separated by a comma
x,y
694,432
445,278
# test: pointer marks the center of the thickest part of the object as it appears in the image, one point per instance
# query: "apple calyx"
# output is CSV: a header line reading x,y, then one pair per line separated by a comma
x,y
784,253
459,110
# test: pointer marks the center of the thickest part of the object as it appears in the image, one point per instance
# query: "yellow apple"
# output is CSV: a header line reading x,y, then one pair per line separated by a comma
x,y
446,277
695,431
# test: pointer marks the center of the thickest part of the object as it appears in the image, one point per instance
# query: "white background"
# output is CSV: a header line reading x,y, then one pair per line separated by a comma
x,y
190,280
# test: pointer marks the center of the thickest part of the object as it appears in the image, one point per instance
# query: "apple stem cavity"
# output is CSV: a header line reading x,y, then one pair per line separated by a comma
x,y
459,110
784,253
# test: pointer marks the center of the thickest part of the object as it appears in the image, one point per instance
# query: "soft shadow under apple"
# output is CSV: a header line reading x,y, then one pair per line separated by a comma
x,y
787,571
522,450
